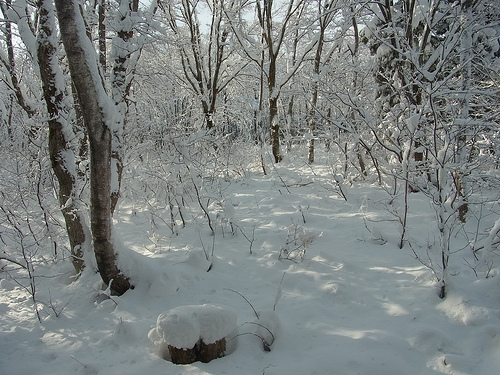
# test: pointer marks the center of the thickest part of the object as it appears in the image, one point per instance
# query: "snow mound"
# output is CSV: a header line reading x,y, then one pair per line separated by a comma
x,y
199,259
462,311
267,328
432,340
183,326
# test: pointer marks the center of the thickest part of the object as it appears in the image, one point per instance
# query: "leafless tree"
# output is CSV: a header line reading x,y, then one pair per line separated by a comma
x,y
326,13
60,130
277,22
98,112
208,63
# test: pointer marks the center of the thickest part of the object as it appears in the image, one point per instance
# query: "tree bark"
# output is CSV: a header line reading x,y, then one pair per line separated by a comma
x,y
466,63
126,53
59,129
101,15
200,352
315,83
97,111
275,129
267,30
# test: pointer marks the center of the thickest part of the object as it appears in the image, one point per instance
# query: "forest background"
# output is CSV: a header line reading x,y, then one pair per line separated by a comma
x,y
103,103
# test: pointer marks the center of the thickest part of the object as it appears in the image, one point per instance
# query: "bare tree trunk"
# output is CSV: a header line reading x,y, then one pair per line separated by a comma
x,y
204,66
325,16
312,124
354,55
314,98
466,63
275,129
101,12
120,89
97,111
266,22
126,53
59,145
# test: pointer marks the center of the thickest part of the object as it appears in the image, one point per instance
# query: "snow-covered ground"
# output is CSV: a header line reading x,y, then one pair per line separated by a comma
x,y
352,303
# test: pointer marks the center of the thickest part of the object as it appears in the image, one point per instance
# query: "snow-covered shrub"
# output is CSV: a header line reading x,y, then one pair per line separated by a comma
x,y
194,332
226,216
297,242
30,231
182,179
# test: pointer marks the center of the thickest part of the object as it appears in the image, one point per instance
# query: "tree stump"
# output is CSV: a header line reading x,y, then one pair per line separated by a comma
x,y
200,352
212,351
194,332
181,356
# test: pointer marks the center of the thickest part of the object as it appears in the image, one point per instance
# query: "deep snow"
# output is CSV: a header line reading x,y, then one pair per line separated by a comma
x,y
355,303
183,326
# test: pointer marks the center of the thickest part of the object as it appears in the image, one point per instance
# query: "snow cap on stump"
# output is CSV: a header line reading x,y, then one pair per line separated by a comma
x,y
192,327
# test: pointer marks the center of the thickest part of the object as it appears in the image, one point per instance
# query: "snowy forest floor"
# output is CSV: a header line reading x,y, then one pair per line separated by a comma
x,y
352,303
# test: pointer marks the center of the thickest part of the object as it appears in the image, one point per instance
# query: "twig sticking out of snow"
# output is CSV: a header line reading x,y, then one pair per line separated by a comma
x,y
242,296
268,326
267,345
250,240
278,292
267,321
73,357
265,368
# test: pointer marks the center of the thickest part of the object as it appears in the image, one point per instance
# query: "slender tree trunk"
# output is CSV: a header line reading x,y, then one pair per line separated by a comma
x,y
466,64
98,113
275,129
126,53
208,113
314,97
312,129
59,129
324,21
259,130
120,89
83,146
443,217
273,107
101,14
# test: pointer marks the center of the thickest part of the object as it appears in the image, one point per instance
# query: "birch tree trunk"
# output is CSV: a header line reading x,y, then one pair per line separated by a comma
x,y
61,153
98,113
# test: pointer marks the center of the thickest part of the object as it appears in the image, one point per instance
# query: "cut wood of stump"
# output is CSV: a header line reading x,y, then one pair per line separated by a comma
x,y
200,352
